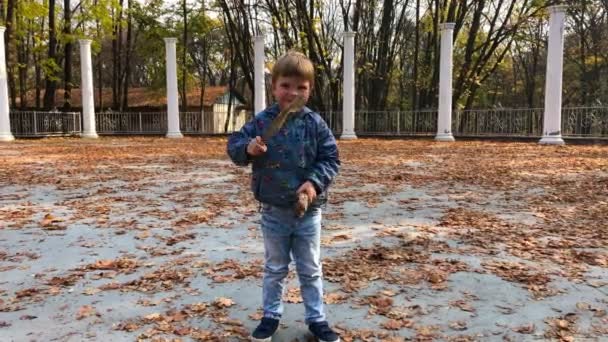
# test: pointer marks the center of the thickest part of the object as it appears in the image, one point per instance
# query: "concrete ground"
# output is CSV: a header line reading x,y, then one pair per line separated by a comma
x,y
151,239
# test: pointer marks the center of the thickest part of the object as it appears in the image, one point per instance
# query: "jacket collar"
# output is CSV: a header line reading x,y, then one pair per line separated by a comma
x,y
274,110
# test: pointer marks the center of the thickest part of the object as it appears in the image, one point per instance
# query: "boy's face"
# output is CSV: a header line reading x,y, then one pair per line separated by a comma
x,y
285,89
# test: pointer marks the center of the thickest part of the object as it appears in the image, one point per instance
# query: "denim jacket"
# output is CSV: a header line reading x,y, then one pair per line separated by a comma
x,y
304,149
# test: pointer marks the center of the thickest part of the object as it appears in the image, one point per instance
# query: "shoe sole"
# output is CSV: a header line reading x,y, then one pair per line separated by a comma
x,y
268,339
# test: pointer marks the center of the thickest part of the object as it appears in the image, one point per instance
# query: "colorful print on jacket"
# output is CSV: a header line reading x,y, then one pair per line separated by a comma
x,y
304,149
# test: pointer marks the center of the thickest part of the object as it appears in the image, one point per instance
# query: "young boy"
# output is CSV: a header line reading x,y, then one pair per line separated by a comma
x,y
301,158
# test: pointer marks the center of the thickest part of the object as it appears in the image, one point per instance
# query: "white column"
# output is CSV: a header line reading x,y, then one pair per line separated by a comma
x,y
259,102
172,96
444,120
348,106
552,119
5,124
86,87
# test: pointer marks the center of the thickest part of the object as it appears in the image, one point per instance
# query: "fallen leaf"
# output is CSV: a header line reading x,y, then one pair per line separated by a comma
x,y
436,276
462,305
256,316
392,324
335,298
182,331
89,291
582,306
49,220
458,325
525,329
153,317
86,311
223,302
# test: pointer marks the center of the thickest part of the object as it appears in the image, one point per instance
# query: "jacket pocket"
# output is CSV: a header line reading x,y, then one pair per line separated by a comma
x,y
277,187
255,184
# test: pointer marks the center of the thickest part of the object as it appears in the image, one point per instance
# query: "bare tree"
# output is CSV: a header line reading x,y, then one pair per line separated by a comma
x,y
128,48
117,56
185,56
68,47
239,30
10,21
52,65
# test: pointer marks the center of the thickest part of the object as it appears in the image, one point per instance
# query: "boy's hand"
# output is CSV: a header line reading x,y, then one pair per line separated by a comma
x,y
309,190
256,147
306,194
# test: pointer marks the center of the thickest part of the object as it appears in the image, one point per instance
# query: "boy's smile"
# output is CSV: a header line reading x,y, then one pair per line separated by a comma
x,y
286,88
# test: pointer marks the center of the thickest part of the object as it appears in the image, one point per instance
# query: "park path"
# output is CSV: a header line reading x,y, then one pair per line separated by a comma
x,y
125,239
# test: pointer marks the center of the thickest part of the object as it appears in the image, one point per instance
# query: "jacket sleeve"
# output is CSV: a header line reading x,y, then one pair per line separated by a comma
x,y
327,163
238,141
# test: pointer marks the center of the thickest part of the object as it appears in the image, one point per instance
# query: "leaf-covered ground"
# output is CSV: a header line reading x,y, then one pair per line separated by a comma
x,y
153,239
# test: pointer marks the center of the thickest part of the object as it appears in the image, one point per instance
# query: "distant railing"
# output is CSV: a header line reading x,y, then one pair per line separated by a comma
x,y
156,122
333,120
524,122
576,122
585,121
422,122
131,122
498,122
38,123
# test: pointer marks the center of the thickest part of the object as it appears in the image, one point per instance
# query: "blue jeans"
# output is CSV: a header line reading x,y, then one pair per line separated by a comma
x,y
286,236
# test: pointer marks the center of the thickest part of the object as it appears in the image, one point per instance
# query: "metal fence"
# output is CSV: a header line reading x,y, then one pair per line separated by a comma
x,y
422,122
333,120
35,123
131,122
498,122
585,121
111,123
576,122
387,123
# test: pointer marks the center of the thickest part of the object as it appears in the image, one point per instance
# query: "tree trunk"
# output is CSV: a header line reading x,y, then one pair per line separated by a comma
x,y
38,69
99,64
10,70
203,69
24,63
416,48
2,18
231,83
51,83
116,58
583,55
238,30
67,66
119,72
185,51
127,78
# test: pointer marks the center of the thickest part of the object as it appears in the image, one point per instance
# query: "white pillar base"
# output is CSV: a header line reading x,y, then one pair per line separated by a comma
x,y
447,137
174,135
6,137
348,136
89,135
552,140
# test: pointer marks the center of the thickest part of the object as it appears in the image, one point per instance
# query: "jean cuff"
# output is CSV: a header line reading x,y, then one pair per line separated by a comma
x,y
314,320
272,315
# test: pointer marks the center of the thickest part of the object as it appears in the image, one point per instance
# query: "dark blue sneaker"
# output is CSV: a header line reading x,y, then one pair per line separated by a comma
x,y
323,332
265,330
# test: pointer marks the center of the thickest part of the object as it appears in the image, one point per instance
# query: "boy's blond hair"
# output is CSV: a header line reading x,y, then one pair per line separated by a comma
x,y
294,64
